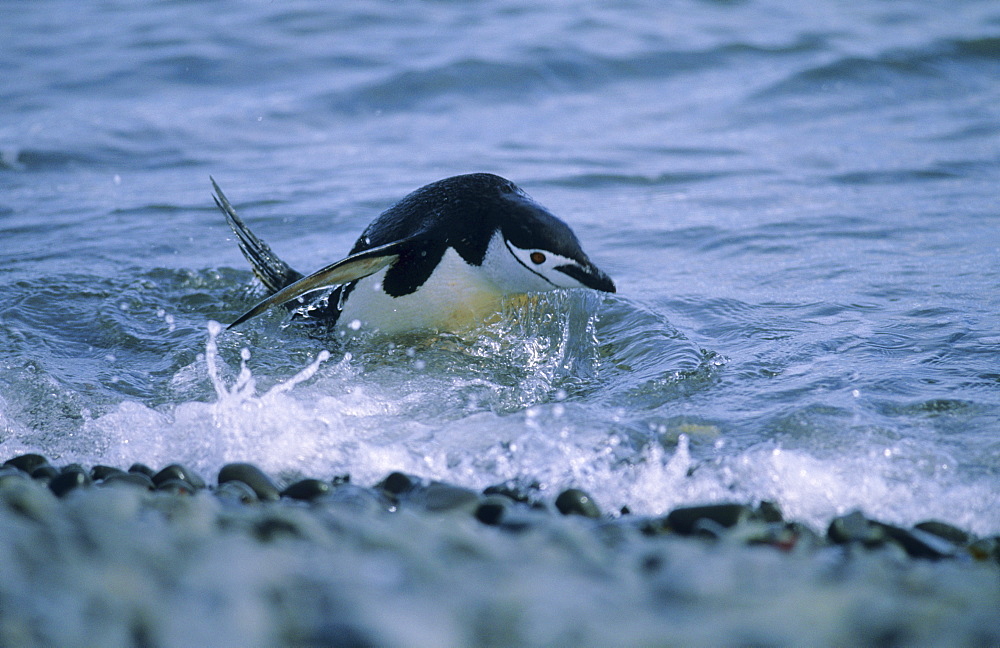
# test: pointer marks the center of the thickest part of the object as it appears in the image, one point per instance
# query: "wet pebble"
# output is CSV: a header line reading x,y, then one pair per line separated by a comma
x,y
176,487
768,512
398,483
139,480
685,520
178,472
439,496
708,528
948,532
919,544
100,473
519,490
27,462
519,518
357,498
855,528
70,478
492,509
45,473
263,486
236,492
142,468
307,489
516,517
574,501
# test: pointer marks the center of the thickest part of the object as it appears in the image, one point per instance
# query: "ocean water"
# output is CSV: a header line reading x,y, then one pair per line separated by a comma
x,y
797,201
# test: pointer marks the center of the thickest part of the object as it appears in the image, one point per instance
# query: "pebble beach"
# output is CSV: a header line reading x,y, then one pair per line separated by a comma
x,y
91,556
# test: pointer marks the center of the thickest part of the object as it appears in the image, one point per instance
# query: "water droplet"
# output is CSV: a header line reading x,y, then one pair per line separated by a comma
x,y
354,325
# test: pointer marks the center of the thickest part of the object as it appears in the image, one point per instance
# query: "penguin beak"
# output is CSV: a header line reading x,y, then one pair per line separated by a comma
x,y
589,275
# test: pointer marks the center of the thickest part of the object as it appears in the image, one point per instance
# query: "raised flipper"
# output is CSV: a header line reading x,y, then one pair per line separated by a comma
x,y
274,273
357,266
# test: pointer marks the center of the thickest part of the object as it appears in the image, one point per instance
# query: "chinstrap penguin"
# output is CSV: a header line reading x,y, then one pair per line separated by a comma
x,y
443,259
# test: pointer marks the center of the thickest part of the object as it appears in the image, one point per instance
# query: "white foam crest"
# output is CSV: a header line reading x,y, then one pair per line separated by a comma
x,y
808,488
276,430
568,445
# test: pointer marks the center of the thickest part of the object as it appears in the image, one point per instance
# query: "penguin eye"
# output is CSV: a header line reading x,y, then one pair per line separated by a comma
x,y
537,258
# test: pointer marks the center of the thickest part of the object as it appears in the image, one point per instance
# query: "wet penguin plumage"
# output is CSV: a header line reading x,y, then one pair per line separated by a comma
x,y
442,258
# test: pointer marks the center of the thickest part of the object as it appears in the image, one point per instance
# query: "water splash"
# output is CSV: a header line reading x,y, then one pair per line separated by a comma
x,y
502,407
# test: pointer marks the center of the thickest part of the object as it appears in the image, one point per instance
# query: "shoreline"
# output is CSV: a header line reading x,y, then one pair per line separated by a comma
x,y
516,505
126,557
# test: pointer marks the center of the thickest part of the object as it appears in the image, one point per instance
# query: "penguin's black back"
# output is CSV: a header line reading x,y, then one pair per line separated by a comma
x,y
464,212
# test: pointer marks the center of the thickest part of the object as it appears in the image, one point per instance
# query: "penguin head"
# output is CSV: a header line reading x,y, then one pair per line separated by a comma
x,y
493,224
545,250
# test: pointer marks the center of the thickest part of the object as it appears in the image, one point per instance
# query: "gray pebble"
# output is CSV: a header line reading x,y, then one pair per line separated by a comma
x,y
946,531
439,496
519,490
919,544
357,498
176,487
177,471
855,528
768,511
574,501
140,480
27,462
237,492
683,520
67,481
100,473
45,473
307,489
398,483
262,485
142,468
492,509
708,528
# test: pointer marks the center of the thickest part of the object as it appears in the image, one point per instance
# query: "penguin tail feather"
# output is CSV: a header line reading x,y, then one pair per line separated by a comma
x,y
274,273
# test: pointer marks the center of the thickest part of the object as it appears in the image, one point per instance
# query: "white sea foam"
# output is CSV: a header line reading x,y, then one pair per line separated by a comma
x,y
339,417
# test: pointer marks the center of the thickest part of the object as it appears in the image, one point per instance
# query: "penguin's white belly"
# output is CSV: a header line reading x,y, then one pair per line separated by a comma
x,y
457,296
